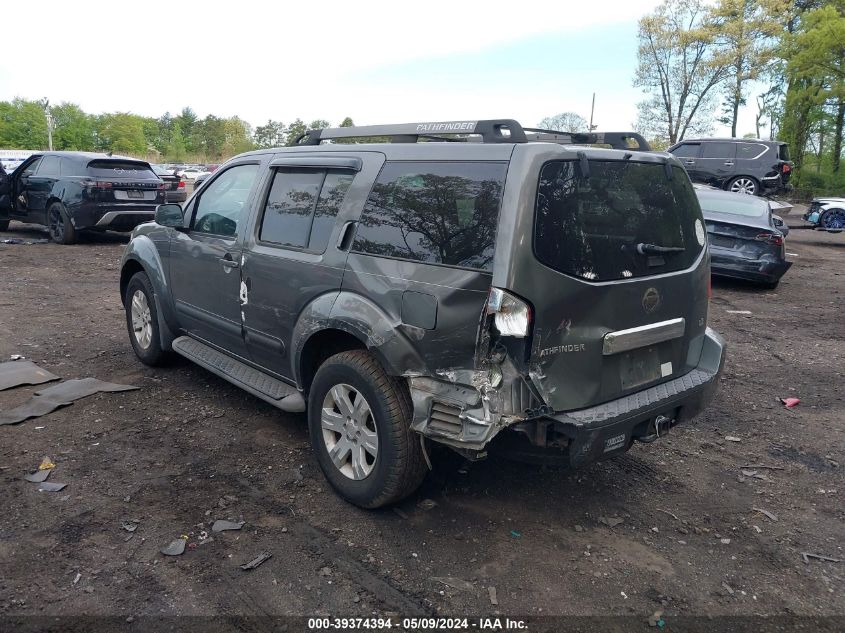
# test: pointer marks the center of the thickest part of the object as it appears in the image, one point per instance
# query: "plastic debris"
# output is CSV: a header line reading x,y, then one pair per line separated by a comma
x,y
657,619
39,475
46,464
516,534
47,486
733,438
454,583
611,521
77,578
258,560
65,393
176,547
23,372
769,515
789,403
222,526
492,593
728,588
738,311
17,357
427,504
725,541
130,526
807,556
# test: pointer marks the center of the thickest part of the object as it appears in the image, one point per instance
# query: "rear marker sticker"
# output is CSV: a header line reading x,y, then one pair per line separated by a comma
x,y
699,232
615,442
666,369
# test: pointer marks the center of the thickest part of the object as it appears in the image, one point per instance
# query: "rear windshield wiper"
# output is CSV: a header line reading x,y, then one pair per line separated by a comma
x,y
653,249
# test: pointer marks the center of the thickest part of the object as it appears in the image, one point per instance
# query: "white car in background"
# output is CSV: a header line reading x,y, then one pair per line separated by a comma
x,y
191,173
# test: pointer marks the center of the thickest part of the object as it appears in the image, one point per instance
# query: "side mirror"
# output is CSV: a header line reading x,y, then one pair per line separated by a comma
x,y
170,215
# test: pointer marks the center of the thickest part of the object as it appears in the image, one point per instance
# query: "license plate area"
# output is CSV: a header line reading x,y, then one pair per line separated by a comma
x,y
639,367
722,241
135,195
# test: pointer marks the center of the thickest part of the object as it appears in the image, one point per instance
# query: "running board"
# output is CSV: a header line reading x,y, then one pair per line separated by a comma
x,y
259,384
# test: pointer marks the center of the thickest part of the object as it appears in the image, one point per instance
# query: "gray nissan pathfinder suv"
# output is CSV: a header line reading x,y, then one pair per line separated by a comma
x,y
467,282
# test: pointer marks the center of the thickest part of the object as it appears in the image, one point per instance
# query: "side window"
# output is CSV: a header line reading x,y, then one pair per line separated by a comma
x,y
30,169
687,150
222,201
439,213
718,150
49,166
749,151
301,207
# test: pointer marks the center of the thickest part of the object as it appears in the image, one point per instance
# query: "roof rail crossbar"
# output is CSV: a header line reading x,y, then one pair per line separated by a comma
x,y
617,140
490,131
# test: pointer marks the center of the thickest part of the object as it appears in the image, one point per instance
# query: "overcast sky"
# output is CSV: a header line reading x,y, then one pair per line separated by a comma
x,y
378,62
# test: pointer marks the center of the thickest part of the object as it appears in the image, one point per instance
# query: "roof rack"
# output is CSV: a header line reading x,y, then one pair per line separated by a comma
x,y
490,131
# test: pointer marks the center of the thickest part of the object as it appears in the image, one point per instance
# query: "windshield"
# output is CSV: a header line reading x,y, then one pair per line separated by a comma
x,y
627,219
733,203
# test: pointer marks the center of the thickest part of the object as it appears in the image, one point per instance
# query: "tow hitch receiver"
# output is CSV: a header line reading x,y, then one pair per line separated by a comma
x,y
659,427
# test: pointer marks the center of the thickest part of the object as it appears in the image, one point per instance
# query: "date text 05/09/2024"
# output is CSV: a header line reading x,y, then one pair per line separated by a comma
x,y
412,625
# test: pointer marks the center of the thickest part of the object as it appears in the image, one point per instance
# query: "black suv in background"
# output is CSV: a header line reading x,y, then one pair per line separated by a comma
x,y
439,291
75,191
743,165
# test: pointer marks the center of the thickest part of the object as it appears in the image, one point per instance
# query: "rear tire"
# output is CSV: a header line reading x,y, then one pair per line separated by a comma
x,y
142,320
744,184
363,416
833,220
59,225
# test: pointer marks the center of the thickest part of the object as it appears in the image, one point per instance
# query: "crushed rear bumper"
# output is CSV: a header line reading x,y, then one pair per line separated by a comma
x,y
468,418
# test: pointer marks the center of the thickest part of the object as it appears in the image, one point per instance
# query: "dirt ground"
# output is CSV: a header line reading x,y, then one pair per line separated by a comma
x,y
188,448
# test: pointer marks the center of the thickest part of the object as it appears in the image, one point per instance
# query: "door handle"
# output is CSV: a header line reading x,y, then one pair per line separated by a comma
x,y
729,164
689,162
345,238
228,262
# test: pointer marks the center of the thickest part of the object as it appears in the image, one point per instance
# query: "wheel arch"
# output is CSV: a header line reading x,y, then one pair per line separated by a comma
x,y
343,320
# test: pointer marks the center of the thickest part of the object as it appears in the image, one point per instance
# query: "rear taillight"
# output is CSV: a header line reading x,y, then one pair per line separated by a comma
x,y
786,168
181,184
770,238
103,184
162,186
512,316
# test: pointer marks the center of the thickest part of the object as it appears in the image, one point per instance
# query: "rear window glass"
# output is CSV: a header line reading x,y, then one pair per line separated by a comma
x,y
591,227
438,213
120,169
736,204
749,151
784,152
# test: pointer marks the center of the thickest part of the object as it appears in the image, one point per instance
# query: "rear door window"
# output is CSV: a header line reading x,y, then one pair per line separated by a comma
x,y
718,150
302,206
438,213
592,227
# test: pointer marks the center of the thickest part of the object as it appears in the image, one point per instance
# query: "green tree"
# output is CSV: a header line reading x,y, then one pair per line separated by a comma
x,y
746,31
121,133
294,130
678,70
565,122
73,129
188,119
23,125
270,135
175,150
238,137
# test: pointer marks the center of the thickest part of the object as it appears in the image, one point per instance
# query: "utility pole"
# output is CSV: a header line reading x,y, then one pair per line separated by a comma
x,y
45,103
592,110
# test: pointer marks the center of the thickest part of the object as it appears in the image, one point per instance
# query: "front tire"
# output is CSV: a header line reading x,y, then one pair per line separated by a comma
x,y
142,320
59,225
744,184
833,220
359,423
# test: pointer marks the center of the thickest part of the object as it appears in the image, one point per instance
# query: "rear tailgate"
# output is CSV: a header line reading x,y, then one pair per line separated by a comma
x,y
126,181
610,318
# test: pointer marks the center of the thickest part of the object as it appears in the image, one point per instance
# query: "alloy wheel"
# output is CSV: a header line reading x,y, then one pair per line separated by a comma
x,y
142,321
744,185
834,219
349,431
57,225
